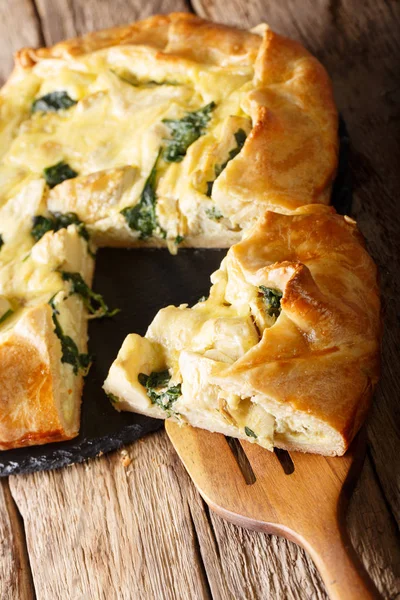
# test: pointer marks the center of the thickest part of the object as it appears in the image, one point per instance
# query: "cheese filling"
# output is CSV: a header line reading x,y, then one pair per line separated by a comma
x,y
93,129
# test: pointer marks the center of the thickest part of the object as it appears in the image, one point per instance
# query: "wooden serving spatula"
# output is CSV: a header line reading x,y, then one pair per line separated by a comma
x,y
302,497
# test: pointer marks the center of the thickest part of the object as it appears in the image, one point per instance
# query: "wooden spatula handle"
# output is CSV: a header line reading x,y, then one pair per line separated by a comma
x,y
340,568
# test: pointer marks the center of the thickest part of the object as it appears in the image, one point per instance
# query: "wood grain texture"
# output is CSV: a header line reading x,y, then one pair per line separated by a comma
x,y
109,531
360,47
113,532
13,36
374,533
15,576
61,20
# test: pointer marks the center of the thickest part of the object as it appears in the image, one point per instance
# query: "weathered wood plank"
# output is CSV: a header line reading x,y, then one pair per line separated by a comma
x,y
15,576
269,567
19,27
374,533
361,50
62,20
110,530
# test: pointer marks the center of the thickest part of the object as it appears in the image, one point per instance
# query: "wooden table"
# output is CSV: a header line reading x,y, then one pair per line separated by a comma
x,y
110,530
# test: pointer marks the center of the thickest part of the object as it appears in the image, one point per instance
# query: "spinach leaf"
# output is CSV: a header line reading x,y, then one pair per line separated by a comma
x,y
142,217
156,385
64,220
55,222
58,173
272,299
40,226
214,214
249,432
114,399
185,131
156,379
5,316
53,102
1,241
69,349
179,239
240,137
93,302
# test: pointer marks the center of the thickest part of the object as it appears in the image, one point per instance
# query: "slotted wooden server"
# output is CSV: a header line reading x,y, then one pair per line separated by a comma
x,y
302,497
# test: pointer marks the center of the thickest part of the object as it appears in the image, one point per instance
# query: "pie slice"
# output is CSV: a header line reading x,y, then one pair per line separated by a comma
x,y
43,338
285,350
170,131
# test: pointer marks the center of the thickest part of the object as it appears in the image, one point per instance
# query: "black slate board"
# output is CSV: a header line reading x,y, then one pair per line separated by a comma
x,y
139,282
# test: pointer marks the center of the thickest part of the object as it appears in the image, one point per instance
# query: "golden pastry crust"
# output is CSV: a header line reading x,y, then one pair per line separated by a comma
x,y
177,35
30,406
290,157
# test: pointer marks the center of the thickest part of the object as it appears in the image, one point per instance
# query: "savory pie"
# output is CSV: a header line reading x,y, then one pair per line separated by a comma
x,y
284,352
170,131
